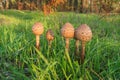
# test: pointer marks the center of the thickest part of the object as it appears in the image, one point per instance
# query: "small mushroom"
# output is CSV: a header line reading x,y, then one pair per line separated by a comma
x,y
84,34
67,32
37,29
49,36
76,43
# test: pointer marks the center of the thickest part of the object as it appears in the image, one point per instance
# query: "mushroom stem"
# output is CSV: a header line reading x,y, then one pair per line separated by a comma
x,y
77,47
83,52
49,43
67,44
37,42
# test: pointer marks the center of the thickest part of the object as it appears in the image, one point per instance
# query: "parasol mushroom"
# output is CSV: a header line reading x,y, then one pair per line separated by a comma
x,y
37,29
49,36
84,34
67,32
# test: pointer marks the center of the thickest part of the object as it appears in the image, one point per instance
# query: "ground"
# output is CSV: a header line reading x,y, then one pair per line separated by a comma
x,y
20,60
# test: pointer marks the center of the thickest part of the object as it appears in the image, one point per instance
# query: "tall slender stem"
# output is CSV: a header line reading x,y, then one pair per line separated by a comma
x,y
49,43
37,42
67,44
77,47
83,52
49,46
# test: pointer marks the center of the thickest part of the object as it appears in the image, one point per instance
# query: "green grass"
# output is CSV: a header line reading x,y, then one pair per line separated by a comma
x,y
19,60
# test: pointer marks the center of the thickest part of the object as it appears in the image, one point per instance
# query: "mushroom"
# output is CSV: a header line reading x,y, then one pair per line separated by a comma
x,y
84,34
76,43
67,32
49,36
37,29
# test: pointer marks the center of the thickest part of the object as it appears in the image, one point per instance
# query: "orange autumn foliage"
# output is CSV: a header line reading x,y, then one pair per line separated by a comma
x,y
52,5
19,5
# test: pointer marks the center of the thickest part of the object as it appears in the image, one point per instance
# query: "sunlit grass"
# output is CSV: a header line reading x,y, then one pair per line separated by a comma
x,y
20,60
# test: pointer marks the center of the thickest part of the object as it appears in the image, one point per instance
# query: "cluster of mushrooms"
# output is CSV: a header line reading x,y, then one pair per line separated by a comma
x,y
83,33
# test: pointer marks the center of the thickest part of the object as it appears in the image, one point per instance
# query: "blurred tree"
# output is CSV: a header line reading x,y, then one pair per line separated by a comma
x,y
51,5
84,6
105,6
33,5
75,5
19,5
95,8
6,4
1,5
13,4
39,4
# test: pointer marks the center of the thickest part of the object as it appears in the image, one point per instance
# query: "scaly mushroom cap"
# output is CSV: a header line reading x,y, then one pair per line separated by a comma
x,y
83,33
37,28
67,31
50,35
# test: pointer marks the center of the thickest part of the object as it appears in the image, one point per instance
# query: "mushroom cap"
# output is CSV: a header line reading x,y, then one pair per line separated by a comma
x,y
50,35
83,33
37,28
67,30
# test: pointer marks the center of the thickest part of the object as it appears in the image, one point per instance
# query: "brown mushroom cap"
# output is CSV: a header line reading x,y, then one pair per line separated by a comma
x,y
67,31
83,33
50,35
37,28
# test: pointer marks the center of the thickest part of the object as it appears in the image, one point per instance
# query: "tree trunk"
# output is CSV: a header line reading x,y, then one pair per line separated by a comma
x,y
72,5
20,5
100,6
39,5
94,6
75,5
90,5
85,6
81,6
78,8
7,4
1,5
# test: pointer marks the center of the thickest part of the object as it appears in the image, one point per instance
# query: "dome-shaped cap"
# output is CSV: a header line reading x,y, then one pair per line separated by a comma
x,y
50,35
67,31
37,28
83,33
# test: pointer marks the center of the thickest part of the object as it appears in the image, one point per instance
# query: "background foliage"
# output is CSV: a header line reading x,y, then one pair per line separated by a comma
x,y
48,6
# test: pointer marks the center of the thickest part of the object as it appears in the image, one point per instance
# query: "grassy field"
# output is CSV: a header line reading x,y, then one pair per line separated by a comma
x,y
19,60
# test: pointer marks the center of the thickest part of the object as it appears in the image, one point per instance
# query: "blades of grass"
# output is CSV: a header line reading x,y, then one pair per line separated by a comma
x,y
69,60
42,56
64,72
49,67
88,76
37,71
96,74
